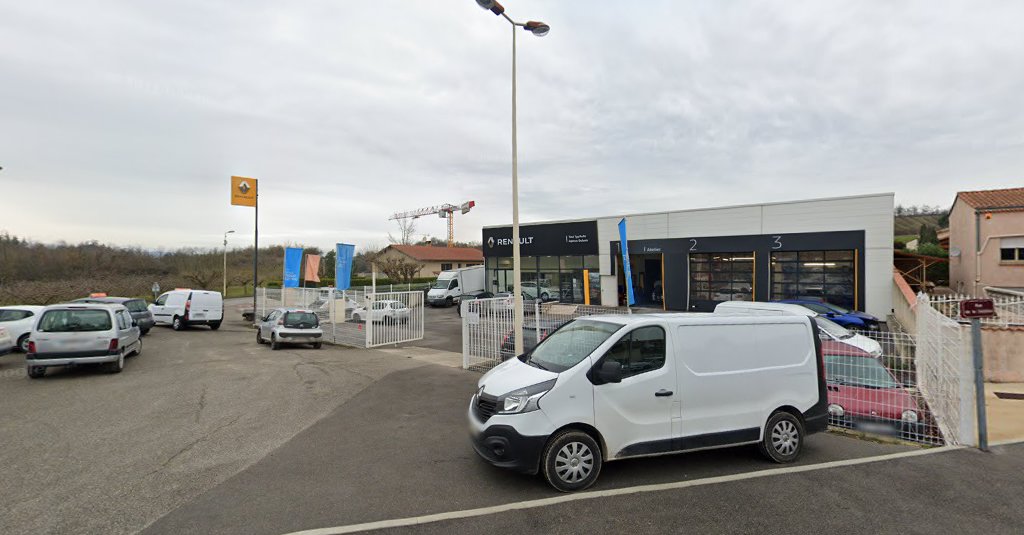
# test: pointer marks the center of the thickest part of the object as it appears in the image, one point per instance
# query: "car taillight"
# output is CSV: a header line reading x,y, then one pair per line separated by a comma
x,y
113,345
31,346
280,321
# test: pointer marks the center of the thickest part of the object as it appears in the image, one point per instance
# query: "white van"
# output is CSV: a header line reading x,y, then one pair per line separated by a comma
x,y
453,284
604,388
829,330
180,308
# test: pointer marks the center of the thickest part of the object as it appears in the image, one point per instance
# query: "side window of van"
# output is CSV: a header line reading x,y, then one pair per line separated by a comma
x,y
161,300
120,320
640,351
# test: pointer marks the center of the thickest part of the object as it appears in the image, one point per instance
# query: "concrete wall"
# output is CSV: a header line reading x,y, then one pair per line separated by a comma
x,y
994,272
1003,349
871,213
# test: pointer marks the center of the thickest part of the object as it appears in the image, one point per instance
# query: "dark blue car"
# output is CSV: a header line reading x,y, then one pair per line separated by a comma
x,y
851,319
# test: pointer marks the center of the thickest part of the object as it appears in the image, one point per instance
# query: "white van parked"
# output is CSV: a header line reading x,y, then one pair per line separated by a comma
x,y
604,388
828,329
180,308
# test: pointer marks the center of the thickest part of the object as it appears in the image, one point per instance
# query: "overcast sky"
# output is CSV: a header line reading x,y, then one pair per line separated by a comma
x,y
122,121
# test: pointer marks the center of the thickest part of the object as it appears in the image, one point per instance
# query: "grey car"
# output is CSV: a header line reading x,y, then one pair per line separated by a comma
x,y
136,307
82,333
290,326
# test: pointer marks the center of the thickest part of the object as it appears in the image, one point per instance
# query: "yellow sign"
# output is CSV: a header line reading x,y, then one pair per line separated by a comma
x,y
243,191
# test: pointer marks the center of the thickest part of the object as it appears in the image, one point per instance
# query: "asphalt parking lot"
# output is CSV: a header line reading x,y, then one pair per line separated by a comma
x,y
206,432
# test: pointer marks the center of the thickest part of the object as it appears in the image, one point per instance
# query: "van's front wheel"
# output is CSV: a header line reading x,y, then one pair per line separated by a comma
x,y
571,461
783,438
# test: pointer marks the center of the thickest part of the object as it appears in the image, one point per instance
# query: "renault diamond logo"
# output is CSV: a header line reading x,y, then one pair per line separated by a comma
x,y
490,242
244,187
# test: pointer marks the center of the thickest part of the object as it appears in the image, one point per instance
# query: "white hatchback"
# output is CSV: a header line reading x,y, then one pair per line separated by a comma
x,y
18,320
385,311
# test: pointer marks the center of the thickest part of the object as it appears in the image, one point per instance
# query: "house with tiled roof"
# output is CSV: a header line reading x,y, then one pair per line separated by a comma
x,y
433,259
986,240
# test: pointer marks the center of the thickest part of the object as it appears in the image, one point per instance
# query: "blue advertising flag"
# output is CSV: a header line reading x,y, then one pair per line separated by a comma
x,y
626,271
292,267
343,266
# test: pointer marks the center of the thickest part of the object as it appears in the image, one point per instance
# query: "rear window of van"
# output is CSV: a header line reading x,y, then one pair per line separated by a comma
x,y
62,321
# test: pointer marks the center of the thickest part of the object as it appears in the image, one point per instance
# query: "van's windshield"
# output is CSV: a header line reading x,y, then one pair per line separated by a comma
x,y
569,345
441,284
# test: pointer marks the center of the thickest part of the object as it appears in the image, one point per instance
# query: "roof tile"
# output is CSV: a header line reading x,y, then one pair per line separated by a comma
x,y
993,198
429,253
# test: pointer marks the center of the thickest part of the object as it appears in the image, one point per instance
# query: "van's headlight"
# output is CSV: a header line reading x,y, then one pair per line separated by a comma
x,y
910,417
524,399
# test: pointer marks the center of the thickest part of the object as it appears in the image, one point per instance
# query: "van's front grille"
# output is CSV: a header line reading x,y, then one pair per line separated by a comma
x,y
485,407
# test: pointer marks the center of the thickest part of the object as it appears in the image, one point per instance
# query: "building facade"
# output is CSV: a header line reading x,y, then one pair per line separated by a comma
x,y
986,240
838,249
434,260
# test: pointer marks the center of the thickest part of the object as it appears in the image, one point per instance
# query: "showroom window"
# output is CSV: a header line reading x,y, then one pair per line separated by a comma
x,y
825,275
550,278
722,276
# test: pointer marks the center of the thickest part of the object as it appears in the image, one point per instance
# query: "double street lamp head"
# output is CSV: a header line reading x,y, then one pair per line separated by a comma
x,y
536,28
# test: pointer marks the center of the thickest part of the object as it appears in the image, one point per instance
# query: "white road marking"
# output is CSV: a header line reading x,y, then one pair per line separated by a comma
x,y
564,498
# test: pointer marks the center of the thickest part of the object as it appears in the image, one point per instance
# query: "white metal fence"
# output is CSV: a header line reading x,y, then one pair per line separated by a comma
x,y
1009,308
945,372
356,318
487,327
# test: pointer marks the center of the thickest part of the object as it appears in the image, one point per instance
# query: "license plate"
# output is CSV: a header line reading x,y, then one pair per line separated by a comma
x,y
199,315
875,427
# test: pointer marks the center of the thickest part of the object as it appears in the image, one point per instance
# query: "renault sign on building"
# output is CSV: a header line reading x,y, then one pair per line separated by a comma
x,y
837,249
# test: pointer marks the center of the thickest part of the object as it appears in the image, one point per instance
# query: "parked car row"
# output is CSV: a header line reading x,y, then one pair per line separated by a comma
x,y
100,329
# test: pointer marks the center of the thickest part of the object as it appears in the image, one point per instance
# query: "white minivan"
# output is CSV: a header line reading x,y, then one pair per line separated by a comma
x,y
180,308
828,329
604,388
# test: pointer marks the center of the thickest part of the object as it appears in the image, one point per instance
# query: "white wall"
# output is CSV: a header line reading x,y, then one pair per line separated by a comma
x,y
871,213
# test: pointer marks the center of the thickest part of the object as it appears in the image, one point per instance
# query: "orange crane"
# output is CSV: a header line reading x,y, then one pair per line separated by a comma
x,y
443,211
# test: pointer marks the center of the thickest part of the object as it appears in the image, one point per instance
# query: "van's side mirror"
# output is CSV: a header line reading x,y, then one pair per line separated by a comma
x,y
609,372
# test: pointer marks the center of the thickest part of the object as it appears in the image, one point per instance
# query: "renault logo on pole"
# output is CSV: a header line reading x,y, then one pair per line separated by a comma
x,y
243,191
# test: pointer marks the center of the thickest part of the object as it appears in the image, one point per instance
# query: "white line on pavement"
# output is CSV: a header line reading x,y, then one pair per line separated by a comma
x,y
564,498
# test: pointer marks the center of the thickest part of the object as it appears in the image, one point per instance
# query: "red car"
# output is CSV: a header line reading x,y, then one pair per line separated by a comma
x,y
864,394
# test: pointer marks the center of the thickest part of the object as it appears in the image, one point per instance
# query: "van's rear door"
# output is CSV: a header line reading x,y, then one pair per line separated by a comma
x,y
74,332
635,415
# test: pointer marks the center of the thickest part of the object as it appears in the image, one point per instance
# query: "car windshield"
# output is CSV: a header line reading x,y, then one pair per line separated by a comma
x,y
832,328
300,320
839,309
441,284
61,321
571,344
136,305
858,371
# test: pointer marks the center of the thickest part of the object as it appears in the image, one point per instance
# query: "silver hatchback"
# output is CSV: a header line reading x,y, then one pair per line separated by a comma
x,y
75,334
290,326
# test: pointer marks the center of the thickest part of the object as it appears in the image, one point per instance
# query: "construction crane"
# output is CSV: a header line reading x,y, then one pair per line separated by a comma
x,y
443,211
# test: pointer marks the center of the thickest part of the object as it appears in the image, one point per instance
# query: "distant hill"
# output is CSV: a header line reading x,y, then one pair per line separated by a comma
x,y
911,224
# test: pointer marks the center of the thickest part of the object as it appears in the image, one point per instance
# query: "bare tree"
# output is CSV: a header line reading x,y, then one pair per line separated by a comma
x,y
406,229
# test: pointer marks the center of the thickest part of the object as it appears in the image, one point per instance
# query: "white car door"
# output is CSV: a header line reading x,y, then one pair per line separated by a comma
x,y
635,415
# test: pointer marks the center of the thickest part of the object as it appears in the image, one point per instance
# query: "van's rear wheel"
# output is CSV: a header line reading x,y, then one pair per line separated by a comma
x,y
215,325
177,324
783,438
35,372
571,461
117,366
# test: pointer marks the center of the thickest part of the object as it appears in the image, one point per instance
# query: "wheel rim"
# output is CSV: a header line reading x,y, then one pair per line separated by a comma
x,y
785,437
574,462
24,345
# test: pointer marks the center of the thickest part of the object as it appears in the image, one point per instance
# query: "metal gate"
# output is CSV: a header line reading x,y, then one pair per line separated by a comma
x,y
356,318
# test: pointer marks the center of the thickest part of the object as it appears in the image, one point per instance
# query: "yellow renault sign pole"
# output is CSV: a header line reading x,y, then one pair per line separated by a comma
x,y
243,193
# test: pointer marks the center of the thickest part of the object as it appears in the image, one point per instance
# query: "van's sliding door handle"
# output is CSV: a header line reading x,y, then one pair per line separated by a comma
x,y
662,393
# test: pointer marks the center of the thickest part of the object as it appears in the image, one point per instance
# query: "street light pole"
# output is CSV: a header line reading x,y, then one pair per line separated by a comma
x,y
539,29
225,293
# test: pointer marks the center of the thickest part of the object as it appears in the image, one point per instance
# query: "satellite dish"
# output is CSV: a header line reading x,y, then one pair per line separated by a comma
x,y
954,252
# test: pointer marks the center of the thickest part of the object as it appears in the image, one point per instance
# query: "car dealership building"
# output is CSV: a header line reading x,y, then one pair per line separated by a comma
x,y
836,249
